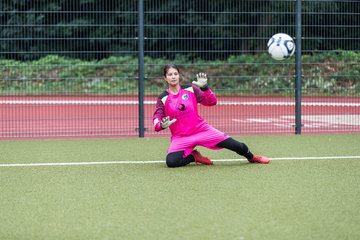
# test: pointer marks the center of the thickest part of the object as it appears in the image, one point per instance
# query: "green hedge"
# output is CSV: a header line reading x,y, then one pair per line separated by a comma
x,y
327,73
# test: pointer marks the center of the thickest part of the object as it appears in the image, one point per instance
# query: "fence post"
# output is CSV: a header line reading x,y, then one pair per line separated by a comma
x,y
298,70
141,68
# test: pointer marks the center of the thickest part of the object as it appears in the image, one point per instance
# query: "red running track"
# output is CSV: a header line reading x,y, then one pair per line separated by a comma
x,y
117,116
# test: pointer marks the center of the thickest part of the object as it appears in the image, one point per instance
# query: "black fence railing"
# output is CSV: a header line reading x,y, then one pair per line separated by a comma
x,y
72,68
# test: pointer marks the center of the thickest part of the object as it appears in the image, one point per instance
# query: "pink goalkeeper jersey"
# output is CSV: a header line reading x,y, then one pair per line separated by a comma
x,y
183,107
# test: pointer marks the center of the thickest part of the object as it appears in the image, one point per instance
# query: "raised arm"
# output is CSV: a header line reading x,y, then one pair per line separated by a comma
x,y
203,93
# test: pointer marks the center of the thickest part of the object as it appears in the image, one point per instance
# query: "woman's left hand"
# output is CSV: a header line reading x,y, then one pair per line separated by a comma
x,y
201,80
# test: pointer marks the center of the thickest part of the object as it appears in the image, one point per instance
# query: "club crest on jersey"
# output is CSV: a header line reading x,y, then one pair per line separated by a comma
x,y
185,97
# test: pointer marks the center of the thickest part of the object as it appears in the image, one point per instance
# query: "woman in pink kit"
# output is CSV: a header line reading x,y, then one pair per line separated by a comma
x,y
176,108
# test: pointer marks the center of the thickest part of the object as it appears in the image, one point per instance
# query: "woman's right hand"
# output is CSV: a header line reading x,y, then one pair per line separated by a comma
x,y
166,122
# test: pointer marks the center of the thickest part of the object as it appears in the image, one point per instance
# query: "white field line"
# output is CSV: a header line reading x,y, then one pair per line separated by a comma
x,y
162,161
133,102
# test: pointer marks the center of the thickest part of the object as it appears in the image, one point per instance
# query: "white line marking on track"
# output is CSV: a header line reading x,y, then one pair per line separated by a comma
x,y
135,102
161,161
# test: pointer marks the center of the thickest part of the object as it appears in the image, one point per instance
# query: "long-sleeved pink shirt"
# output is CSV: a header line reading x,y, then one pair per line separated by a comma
x,y
183,107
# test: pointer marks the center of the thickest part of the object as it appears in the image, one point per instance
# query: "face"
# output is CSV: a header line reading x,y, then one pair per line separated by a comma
x,y
172,77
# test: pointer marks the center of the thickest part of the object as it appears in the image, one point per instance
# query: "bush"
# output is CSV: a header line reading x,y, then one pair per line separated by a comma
x,y
326,72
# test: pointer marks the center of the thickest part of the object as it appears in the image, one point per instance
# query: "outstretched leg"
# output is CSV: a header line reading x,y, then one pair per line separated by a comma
x,y
243,150
238,147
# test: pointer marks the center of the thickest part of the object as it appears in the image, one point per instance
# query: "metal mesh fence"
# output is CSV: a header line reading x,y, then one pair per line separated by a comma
x,y
331,82
71,68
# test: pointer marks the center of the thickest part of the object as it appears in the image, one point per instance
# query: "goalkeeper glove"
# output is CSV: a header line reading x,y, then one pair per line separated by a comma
x,y
201,81
165,122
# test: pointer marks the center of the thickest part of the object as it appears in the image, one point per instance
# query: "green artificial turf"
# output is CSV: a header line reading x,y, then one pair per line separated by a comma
x,y
287,199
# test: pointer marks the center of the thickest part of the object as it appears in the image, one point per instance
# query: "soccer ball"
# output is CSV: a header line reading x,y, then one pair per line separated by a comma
x,y
281,46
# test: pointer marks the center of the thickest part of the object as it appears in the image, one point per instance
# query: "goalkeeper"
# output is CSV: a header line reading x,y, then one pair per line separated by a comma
x,y
176,108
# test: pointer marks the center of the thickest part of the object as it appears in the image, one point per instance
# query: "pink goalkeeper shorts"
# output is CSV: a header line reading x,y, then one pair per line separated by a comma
x,y
208,137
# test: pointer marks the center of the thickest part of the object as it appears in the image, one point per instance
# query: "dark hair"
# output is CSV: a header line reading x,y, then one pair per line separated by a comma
x,y
168,66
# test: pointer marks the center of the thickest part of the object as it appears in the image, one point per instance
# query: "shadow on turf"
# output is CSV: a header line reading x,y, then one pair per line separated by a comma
x,y
221,164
